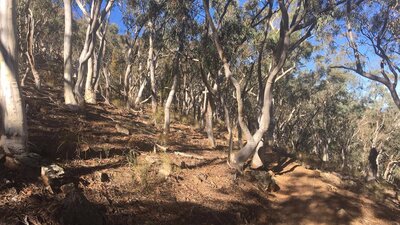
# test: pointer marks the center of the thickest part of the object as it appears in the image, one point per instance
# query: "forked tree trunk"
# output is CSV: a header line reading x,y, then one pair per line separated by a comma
x,y
13,119
238,159
95,19
98,61
29,53
69,98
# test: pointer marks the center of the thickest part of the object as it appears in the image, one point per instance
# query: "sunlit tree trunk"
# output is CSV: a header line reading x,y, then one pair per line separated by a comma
x,y
128,71
69,98
171,97
140,92
95,19
209,122
107,85
13,118
151,68
30,43
90,96
280,55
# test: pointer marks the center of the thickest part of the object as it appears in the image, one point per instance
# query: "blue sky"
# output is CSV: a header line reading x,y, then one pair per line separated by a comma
x,y
116,18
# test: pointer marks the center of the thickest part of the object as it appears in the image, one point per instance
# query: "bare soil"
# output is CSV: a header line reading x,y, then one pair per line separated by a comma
x,y
123,179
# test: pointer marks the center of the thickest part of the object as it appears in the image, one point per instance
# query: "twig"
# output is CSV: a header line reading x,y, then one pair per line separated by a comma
x,y
163,148
144,101
188,155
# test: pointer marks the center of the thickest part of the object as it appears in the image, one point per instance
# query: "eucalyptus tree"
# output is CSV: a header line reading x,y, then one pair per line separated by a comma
x,y
375,27
30,39
181,23
95,17
13,119
39,24
69,98
296,19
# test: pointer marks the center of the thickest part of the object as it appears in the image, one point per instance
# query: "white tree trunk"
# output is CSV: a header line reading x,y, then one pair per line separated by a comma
x,y
169,101
29,53
127,73
90,96
151,68
209,123
13,118
95,20
140,92
69,98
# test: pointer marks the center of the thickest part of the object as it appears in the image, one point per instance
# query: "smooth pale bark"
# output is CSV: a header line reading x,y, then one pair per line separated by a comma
x,y
140,92
86,53
69,98
144,81
97,64
281,51
13,118
325,152
107,85
25,76
384,79
90,96
209,123
151,69
128,71
388,174
29,53
95,20
256,161
170,98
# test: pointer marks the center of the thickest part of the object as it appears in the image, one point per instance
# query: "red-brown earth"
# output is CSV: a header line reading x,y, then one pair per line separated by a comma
x,y
127,181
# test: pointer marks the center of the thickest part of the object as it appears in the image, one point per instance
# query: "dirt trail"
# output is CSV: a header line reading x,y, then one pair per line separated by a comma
x,y
128,183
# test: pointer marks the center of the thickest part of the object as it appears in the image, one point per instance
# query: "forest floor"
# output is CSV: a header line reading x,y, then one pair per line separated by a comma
x,y
121,178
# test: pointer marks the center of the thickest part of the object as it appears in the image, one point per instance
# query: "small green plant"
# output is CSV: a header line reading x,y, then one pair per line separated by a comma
x,y
140,169
119,103
159,115
131,157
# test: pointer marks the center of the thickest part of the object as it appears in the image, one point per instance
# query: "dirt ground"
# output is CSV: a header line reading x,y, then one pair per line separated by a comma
x,y
116,178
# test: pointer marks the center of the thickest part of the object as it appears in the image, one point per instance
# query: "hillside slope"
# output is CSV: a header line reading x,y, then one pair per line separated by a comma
x,y
116,178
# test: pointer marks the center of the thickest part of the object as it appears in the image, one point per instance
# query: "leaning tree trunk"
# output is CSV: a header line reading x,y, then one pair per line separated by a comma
x,y
170,98
98,61
140,92
95,19
69,98
13,118
280,54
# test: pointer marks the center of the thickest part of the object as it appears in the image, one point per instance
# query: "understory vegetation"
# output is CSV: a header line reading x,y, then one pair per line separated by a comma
x,y
188,97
